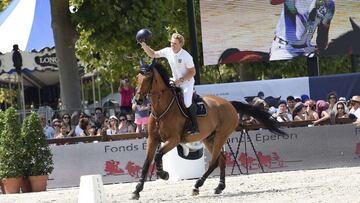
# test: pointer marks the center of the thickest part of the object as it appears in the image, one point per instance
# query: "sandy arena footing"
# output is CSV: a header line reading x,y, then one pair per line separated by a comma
x,y
323,185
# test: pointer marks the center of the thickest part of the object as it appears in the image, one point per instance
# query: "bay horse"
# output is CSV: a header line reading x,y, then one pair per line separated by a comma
x,y
166,124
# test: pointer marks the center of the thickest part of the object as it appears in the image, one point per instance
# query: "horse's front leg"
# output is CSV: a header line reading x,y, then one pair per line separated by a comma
x,y
166,147
151,148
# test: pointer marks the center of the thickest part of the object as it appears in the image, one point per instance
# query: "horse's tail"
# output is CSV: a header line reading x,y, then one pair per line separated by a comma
x,y
262,116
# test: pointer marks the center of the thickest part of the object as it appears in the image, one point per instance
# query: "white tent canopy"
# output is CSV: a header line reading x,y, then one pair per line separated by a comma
x,y
27,23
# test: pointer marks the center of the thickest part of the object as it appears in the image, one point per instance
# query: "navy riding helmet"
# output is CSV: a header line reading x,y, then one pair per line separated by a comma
x,y
143,35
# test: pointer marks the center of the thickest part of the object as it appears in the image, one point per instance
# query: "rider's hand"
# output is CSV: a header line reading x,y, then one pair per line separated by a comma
x,y
142,43
177,83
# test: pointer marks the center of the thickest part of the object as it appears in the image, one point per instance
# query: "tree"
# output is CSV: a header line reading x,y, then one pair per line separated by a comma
x,y
65,37
4,4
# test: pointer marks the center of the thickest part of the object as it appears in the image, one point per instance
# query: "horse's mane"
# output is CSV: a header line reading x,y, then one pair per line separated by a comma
x,y
162,72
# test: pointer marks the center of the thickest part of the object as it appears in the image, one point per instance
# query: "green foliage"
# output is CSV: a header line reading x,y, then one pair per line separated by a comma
x,y
4,4
38,153
107,32
12,153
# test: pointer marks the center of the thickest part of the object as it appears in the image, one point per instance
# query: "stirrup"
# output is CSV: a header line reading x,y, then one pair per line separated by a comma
x,y
185,149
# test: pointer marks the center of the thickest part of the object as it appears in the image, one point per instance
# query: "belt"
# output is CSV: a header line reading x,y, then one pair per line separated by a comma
x,y
284,42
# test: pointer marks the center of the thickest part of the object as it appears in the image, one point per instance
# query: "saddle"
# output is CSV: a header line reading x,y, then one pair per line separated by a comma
x,y
201,109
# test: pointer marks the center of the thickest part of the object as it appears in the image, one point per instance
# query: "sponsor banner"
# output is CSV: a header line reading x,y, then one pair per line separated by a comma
x,y
303,148
119,161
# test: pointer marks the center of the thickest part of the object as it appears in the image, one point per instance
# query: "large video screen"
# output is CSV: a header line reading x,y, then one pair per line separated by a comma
x,y
236,31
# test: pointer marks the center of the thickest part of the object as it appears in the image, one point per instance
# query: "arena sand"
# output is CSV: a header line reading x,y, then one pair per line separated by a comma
x,y
322,185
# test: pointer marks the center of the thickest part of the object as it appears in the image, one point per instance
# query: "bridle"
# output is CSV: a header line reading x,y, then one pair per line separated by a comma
x,y
149,92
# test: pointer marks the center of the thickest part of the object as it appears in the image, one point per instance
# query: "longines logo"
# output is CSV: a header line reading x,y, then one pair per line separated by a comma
x,y
46,60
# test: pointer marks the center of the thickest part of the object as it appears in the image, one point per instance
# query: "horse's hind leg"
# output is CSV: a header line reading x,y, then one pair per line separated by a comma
x,y
151,147
212,165
222,165
217,159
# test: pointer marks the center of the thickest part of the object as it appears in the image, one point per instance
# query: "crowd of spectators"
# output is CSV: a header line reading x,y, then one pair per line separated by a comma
x,y
303,108
129,118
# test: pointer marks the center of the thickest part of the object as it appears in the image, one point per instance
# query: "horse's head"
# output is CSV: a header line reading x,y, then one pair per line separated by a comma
x,y
144,80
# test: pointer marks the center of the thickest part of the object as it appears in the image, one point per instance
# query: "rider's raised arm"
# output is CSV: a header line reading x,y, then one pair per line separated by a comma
x,y
149,51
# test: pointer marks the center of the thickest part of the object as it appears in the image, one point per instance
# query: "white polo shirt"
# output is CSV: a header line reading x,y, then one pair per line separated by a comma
x,y
179,63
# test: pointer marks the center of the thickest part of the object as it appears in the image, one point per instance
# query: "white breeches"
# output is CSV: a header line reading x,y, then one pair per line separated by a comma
x,y
188,90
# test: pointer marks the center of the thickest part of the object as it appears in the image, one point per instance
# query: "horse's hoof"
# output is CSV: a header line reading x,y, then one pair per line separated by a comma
x,y
163,175
217,191
195,191
135,196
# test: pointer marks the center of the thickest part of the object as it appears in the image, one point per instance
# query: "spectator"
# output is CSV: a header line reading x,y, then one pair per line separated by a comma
x,y
355,109
321,107
310,110
299,112
297,99
80,126
113,129
56,124
332,99
304,98
290,100
84,125
126,93
141,115
48,130
66,123
125,126
282,115
74,120
342,99
341,110
63,131
99,118
92,131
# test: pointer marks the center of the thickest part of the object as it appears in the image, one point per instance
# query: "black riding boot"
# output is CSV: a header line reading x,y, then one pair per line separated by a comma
x,y
194,125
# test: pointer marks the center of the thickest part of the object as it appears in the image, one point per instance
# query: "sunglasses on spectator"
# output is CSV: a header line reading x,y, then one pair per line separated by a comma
x,y
66,117
122,119
332,97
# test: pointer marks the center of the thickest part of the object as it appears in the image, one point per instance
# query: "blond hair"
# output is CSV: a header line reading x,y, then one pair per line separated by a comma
x,y
179,37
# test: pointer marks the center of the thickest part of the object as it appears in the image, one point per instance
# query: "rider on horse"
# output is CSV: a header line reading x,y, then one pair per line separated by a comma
x,y
183,71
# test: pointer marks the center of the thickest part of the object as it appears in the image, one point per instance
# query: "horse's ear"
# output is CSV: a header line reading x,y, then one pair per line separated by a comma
x,y
354,26
153,62
142,62
143,67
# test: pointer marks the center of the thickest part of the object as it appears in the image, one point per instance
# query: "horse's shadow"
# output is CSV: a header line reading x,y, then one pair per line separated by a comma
x,y
347,43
